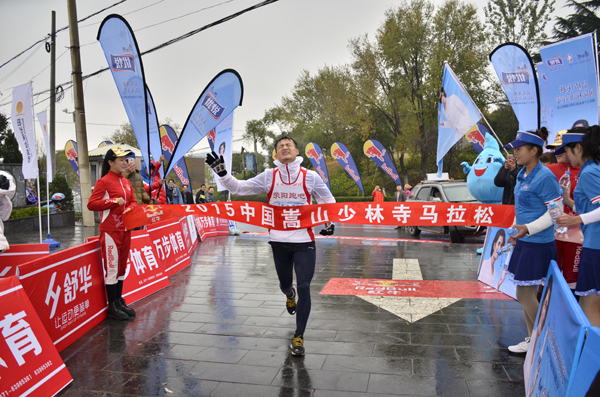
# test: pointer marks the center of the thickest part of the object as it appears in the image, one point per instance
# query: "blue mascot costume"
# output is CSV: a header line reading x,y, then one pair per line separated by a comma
x,y
480,178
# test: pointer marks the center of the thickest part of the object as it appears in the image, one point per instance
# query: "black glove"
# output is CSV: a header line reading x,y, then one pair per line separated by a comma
x,y
328,230
4,183
216,163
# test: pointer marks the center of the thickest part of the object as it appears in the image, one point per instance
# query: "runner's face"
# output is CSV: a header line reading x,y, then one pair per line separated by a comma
x,y
286,151
119,165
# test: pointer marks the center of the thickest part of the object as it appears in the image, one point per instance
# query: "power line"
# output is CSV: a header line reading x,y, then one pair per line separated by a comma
x,y
59,30
184,15
67,85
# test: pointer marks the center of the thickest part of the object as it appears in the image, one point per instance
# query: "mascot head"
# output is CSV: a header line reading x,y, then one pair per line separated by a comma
x,y
480,179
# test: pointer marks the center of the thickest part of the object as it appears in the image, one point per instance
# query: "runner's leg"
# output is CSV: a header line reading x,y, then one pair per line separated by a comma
x,y
304,265
284,264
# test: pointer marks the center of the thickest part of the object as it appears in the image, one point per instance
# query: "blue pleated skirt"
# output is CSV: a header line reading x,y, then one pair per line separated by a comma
x,y
529,262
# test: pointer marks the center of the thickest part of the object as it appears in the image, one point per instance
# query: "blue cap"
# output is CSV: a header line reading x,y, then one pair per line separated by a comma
x,y
130,155
570,137
523,138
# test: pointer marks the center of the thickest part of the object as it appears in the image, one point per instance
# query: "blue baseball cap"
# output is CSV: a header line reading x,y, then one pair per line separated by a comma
x,y
523,138
569,137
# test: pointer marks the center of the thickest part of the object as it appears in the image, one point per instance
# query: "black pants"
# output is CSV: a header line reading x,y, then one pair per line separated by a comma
x,y
300,257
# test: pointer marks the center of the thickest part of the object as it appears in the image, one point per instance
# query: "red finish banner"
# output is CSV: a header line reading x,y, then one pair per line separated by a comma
x,y
209,226
300,217
67,291
29,363
145,272
19,254
168,240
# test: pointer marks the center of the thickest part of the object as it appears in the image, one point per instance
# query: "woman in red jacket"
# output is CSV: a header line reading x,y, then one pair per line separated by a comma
x,y
113,195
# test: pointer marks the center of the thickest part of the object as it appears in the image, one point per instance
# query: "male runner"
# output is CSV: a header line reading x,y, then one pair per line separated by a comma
x,y
287,185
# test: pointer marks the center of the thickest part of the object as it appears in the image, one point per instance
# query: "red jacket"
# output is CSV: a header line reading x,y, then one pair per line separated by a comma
x,y
107,191
378,196
162,199
559,170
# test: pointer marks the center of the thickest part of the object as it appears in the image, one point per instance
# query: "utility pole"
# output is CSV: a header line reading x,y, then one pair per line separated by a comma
x,y
80,129
53,94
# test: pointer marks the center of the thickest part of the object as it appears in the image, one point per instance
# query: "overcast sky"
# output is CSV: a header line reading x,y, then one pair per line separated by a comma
x,y
269,47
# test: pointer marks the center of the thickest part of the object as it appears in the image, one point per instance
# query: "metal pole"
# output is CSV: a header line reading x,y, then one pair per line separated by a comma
x,y
39,206
80,128
53,96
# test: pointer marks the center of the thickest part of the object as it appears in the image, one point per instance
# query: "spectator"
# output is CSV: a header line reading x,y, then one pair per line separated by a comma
x,y
7,191
136,180
200,197
548,159
399,195
507,179
407,188
209,195
158,190
377,194
173,193
188,197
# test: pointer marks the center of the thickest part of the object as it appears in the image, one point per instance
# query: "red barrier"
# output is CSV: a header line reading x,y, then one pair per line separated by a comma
x,y
145,273
19,254
209,226
168,240
29,362
67,291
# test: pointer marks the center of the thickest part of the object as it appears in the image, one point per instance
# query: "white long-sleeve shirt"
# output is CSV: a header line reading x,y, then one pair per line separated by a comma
x,y
288,174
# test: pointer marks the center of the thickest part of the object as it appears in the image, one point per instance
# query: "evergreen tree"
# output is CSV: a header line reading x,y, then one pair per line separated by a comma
x,y
9,146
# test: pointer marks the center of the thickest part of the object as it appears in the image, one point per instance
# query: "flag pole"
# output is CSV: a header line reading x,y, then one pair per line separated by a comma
x,y
482,116
39,206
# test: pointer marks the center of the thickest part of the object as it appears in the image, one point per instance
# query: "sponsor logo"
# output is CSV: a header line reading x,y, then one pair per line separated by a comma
x,y
212,106
476,137
166,143
152,211
512,78
71,154
312,154
583,56
556,61
122,63
569,58
372,151
339,154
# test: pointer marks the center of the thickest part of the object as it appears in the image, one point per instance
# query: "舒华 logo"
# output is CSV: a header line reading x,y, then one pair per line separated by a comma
x,y
212,106
122,63
511,78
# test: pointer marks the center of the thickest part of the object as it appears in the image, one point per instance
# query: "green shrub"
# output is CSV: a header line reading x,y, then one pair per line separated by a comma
x,y
26,212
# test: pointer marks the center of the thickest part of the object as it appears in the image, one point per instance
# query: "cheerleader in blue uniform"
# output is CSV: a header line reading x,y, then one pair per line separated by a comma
x,y
535,246
583,150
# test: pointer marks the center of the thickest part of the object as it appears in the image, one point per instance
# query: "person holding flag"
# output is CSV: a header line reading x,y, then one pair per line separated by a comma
x,y
114,196
289,184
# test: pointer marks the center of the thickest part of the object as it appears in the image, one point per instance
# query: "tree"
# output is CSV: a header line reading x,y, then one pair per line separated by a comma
x,y
9,146
518,21
584,20
123,134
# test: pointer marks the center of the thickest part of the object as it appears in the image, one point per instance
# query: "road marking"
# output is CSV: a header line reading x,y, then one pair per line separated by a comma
x,y
407,279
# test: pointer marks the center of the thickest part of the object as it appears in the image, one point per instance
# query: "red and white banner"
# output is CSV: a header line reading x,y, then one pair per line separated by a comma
x,y
305,216
67,291
29,363
145,272
19,254
168,240
209,226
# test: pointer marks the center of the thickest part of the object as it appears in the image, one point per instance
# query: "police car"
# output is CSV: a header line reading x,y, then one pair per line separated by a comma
x,y
444,191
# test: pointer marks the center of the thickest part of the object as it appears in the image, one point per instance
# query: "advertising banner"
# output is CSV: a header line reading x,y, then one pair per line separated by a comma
x,y
376,152
104,143
515,71
153,132
546,102
71,155
476,137
304,216
168,139
67,291
572,80
22,123
223,144
218,100
19,254
42,119
586,381
457,114
145,272
493,267
122,55
29,362
191,223
209,226
169,243
556,339
340,152
315,155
